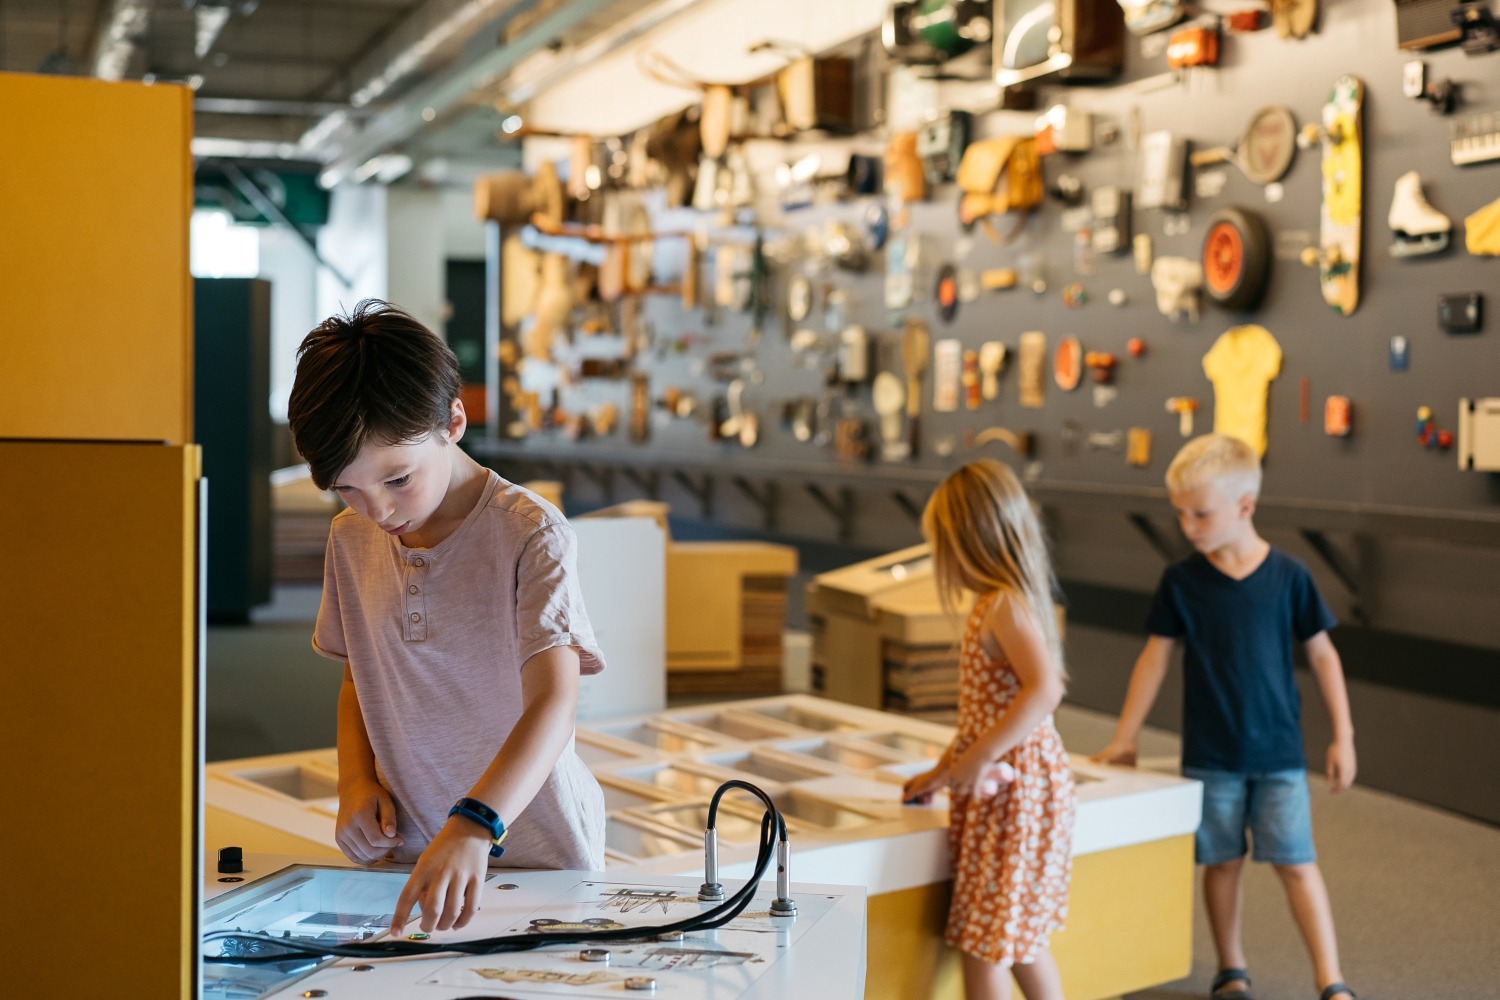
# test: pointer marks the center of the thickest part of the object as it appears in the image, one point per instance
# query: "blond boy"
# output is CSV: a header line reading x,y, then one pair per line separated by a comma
x,y
1238,606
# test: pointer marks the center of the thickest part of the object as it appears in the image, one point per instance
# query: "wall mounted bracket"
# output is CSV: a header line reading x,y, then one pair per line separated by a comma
x,y
766,499
842,509
702,490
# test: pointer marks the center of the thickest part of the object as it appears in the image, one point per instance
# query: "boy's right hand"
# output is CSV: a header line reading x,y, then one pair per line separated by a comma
x,y
366,829
1120,752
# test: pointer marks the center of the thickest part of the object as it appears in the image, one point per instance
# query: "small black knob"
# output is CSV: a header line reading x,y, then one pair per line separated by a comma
x,y
231,860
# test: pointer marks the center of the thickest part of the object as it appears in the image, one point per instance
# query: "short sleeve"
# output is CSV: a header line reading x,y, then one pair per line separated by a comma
x,y
1270,356
549,603
1309,614
328,634
1165,617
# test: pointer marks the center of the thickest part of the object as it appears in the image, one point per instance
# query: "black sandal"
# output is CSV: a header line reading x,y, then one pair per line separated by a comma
x,y
1334,989
1229,976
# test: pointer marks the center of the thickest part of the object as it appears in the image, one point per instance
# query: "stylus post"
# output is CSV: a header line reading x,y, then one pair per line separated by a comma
x,y
711,891
782,905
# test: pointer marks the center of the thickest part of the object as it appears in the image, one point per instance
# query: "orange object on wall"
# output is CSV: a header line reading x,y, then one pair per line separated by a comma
x,y
1193,47
1337,414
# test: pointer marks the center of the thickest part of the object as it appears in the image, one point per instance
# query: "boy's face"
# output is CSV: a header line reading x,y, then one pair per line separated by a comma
x,y
400,486
1209,518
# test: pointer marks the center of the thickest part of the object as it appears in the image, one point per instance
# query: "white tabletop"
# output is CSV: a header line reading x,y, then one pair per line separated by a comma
x,y
819,954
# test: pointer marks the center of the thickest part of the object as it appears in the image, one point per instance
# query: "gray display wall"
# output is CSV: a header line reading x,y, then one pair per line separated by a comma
x,y
1405,545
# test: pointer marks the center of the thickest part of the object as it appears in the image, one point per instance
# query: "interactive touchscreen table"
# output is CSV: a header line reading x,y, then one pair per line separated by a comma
x,y
818,953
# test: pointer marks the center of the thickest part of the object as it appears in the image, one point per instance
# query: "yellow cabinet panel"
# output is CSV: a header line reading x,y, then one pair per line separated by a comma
x,y
99,701
1129,927
95,194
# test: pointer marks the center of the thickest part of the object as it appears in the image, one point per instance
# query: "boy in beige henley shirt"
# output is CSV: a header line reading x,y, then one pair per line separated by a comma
x,y
451,596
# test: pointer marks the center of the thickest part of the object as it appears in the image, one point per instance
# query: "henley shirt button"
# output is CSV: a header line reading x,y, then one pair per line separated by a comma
x,y
412,589
418,561
415,617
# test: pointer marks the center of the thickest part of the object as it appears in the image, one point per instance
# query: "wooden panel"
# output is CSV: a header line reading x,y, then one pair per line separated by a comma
x,y
1130,926
100,708
704,598
96,191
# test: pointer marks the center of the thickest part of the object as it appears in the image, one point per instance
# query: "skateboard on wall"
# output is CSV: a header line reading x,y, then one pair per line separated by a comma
x,y
1337,254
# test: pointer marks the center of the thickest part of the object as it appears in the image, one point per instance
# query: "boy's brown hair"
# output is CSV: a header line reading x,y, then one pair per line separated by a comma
x,y
376,374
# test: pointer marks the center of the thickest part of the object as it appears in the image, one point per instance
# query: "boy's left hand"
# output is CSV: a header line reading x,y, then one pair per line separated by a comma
x,y
1341,765
447,880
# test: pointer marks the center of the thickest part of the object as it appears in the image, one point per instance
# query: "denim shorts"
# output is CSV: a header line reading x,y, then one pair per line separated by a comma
x,y
1274,807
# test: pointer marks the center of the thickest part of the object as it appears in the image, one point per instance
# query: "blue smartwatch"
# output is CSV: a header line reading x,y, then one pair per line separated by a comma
x,y
473,809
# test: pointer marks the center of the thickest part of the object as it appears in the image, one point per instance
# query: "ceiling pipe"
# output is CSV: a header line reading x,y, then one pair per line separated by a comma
x,y
423,32
123,30
448,90
266,106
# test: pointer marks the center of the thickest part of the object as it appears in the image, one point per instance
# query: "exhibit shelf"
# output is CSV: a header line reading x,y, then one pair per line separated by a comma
x,y
772,484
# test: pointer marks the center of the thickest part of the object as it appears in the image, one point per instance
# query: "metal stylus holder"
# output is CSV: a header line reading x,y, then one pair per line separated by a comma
x,y
711,891
782,905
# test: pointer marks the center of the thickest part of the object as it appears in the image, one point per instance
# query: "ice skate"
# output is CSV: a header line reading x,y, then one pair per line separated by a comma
x,y
1420,229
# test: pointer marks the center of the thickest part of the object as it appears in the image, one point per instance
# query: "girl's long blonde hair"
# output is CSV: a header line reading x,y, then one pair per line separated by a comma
x,y
985,537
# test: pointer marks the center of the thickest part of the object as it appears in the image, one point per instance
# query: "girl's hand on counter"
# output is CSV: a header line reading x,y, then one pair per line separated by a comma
x,y
976,774
918,790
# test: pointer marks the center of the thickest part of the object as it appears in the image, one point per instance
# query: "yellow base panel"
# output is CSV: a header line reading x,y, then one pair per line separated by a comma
x,y
1130,924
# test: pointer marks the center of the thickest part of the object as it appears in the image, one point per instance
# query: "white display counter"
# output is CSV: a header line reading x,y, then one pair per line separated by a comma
x,y
818,954
836,772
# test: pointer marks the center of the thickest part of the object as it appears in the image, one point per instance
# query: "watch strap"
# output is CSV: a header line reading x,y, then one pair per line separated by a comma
x,y
476,811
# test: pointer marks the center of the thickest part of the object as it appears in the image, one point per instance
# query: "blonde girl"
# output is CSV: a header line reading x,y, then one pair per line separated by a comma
x,y
1012,801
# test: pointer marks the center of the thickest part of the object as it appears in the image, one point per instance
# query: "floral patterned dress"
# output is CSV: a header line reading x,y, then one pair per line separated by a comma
x,y
1012,853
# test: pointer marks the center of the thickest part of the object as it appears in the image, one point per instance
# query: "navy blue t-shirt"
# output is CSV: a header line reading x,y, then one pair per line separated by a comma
x,y
1241,711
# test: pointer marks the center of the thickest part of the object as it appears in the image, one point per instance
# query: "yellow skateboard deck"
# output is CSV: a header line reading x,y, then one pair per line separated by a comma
x,y
1338,251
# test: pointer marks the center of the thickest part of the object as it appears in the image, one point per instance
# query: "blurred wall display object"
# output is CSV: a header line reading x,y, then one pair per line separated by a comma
x,y
1073,40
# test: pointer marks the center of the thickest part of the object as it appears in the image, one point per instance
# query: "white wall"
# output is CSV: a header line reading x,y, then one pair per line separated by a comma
x,y
414,254
289,265
392,243
463,233
354,242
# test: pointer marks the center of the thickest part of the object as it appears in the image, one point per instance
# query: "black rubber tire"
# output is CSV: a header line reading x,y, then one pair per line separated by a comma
x,y
1249,286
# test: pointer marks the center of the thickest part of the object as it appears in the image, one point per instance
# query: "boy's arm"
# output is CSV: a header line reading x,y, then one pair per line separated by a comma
x,y
1145,681
1329,671
450,872
366,827
549,710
